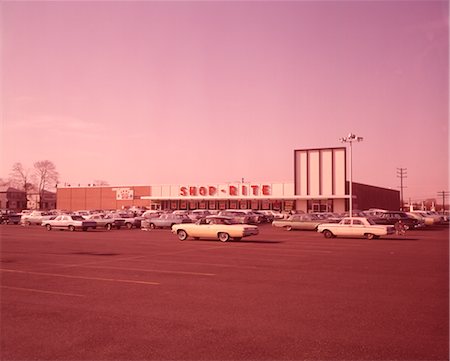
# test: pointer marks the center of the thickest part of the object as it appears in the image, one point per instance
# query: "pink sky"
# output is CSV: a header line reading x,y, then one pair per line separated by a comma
x,y
199,92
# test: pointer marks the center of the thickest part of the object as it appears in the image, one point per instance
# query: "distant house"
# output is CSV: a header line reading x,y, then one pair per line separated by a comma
x,y
47,202
12,198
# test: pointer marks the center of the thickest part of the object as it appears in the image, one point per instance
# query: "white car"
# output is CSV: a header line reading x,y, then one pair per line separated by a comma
x,y
214,227
35,217
355,227
69,222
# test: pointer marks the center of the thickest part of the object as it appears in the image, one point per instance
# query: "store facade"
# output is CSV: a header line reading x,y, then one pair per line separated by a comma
x,y
320,185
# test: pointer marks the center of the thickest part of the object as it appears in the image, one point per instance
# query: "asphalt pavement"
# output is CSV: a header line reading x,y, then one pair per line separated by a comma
x,y
136,295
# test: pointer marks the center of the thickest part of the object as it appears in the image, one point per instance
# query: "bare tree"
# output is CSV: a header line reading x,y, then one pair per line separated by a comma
x,y
46,177
4,182
21,177
99,182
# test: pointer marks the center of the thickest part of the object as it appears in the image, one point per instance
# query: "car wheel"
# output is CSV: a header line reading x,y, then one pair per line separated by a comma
x,y
152,226
328,234
27,223
49,227
288,228
129,225
71,228
370,235
182,235
108,226
223,237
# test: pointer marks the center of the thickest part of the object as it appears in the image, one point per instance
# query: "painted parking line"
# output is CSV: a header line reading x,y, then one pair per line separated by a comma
x,y
42,291
80,277
136,269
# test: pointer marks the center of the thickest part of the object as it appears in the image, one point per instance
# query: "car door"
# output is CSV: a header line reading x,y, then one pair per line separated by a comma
x,y
358,228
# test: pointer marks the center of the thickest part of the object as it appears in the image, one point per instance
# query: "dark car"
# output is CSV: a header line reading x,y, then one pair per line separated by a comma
x,y
393,217
9,217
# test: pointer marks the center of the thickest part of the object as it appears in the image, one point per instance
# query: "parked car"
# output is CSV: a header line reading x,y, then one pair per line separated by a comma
x,y
117,220
422,217
239,216
103,221
273,214
168,220
393,217
196,214
9,217
214,227
130,220
355,227
305,222
35,217
69,222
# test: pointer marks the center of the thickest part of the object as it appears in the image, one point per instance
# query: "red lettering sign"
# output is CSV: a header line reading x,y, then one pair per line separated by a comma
x,y
266,190
212,190
202,191
255,189
233,191
192,191
183,191
244,190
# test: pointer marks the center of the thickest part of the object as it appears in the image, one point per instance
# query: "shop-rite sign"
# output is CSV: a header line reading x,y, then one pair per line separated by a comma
x,y
228,190
124,194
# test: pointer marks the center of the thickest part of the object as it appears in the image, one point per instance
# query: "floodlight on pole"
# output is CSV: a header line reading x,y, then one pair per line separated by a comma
x,y
350,138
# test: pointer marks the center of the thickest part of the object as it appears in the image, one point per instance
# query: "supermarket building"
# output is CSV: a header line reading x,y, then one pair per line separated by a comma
x,y
320,185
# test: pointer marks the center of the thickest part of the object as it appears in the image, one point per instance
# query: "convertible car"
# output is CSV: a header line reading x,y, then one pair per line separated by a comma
x,y
214,227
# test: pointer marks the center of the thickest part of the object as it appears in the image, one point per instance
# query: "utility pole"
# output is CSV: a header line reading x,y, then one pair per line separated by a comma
x,y
401,173
443,194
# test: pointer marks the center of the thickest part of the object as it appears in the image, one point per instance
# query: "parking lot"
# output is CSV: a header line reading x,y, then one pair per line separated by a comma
x,y
135,295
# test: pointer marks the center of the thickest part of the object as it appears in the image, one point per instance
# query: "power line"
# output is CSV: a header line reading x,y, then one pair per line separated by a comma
x,y
443,194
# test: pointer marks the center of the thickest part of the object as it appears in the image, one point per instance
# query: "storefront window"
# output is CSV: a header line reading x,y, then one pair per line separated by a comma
x,y
222,205
183,205
320,205
243,205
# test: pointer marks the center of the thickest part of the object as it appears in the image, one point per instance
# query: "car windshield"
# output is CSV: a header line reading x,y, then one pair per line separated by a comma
x,y
77,218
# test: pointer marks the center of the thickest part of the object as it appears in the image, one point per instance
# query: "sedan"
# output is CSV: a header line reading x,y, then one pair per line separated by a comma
x,y
69,222
214,227
355,227
303,222
168,220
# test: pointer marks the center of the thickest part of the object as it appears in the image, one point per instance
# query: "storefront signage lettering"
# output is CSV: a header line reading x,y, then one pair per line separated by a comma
x,y
228,190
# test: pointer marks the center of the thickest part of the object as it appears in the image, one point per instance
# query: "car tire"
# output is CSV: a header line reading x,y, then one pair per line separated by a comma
x,y
129,225
71,228
108,226
182,235
223,236
328,234
49,227
152,226
288,228
370,235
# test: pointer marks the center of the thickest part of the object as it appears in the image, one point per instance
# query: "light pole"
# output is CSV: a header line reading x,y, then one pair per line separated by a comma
x,y
350,139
